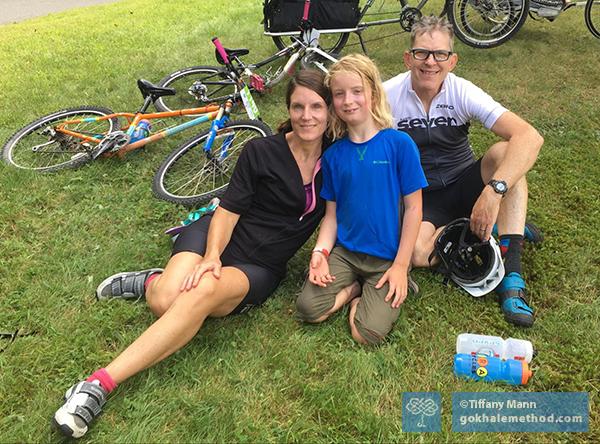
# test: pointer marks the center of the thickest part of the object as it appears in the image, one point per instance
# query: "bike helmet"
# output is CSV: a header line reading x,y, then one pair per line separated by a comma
x,y
472,264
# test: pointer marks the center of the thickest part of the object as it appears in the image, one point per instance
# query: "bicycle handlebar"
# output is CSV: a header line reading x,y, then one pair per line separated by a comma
x,y
306,9
221,50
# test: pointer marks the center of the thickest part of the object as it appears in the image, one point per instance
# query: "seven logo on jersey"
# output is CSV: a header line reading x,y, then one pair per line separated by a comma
x,y
432,122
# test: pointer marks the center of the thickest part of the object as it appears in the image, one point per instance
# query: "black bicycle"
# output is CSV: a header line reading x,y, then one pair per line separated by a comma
x,y
477,23
336,19
471,23
551,9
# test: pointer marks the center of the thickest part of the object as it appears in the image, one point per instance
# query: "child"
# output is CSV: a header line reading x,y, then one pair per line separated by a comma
x,y
372,181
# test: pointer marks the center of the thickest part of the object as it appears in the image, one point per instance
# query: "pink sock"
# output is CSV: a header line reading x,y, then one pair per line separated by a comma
x,y
150,279
106,381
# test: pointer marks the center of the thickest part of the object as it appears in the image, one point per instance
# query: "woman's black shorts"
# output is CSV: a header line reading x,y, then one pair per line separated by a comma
x,y
263,282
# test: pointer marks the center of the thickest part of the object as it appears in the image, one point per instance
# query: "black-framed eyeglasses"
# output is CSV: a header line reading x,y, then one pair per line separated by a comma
x,y
439,55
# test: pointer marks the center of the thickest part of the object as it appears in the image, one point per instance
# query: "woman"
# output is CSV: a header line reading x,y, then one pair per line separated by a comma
x,y
228,262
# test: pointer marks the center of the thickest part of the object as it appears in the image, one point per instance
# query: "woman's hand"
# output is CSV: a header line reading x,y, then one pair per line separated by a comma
x,y
208,264
397,277
318,273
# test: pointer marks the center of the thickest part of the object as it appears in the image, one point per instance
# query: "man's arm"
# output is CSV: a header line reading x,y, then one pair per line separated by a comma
x,y
524,143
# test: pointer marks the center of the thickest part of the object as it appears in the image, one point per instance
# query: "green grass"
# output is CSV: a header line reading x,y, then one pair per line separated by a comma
x,y
263,377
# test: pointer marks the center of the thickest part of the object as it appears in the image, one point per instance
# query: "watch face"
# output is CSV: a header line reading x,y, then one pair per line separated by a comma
x,y
499,186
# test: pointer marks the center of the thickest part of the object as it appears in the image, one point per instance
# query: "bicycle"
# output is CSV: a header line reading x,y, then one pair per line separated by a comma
x,y
551,9
477,23
208,84
336,19
72,137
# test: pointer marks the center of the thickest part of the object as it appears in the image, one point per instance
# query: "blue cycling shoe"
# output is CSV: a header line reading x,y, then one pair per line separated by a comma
x,y
531,234
513,300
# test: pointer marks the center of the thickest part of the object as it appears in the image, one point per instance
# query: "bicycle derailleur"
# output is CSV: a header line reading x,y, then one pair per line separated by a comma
x,y
66,144
408,17
199,91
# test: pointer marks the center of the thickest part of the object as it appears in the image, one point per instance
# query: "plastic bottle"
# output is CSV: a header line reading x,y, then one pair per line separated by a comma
x,y
490,369
494,346
141,131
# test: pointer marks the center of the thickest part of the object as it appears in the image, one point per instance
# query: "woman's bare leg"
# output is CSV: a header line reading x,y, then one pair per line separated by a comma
x,y
181,322
163,290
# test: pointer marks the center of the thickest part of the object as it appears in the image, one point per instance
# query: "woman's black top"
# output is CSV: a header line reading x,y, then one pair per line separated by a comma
x,y
266,190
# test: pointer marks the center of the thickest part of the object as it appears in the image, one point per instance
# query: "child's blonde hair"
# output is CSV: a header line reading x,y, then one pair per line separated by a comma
x,y
366,69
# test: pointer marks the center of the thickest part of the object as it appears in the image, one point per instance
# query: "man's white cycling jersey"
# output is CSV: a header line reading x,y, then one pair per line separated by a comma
x,y
442,135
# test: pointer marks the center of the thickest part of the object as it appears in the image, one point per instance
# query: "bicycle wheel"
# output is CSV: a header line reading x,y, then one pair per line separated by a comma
x,y
189,176
487,23
39,147
195,86
330,43
592,17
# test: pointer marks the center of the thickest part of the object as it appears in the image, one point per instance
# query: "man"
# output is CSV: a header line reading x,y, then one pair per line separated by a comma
x,y
435,107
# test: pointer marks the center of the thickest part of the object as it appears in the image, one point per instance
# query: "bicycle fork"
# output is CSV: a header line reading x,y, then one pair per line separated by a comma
x,y
217,125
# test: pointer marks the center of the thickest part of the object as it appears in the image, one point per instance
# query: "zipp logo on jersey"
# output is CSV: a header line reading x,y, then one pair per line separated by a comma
x,y
432,122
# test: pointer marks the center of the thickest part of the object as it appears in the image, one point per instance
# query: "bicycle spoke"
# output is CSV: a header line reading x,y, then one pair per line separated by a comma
x,y
194,173
44,147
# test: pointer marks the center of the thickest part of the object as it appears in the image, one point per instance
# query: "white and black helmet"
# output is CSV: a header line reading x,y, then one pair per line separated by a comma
x,y
472,264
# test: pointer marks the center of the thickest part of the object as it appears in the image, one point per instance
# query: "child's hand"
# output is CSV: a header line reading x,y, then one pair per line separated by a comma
x,y
397,277
319,270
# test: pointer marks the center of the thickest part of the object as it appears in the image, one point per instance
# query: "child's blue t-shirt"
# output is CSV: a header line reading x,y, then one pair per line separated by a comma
x,y
367,181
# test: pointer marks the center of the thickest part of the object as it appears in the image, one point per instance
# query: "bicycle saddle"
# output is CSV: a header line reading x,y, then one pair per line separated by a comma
x,y
148,89
231,53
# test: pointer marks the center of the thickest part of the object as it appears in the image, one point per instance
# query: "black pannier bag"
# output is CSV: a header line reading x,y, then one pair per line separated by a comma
x,y
285,15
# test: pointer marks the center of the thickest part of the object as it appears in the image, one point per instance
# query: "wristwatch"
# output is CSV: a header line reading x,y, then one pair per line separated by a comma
x,y
499,186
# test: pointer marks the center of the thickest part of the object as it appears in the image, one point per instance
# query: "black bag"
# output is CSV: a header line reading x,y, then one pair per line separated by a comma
x,y
286,15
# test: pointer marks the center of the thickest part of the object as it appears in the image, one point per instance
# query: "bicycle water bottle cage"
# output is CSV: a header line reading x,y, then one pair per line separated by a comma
x,y
231,53
149,90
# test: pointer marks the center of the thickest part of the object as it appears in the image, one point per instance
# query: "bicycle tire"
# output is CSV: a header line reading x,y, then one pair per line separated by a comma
x,y
188,177
185,78
65,151
331,43
487,23
592,17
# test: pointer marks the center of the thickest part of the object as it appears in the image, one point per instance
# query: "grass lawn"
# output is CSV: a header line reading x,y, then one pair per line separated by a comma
x,y
263,377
